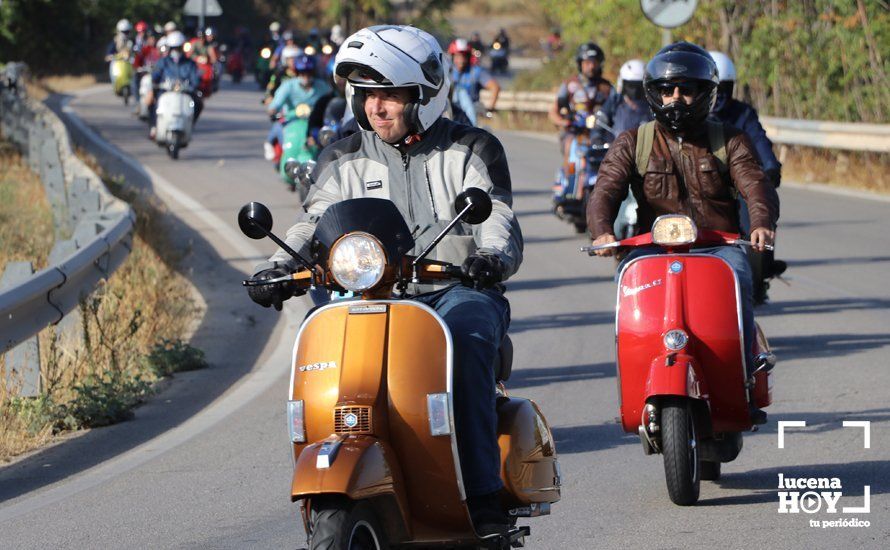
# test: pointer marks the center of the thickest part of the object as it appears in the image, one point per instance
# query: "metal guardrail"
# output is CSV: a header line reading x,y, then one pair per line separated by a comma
x,y
847,136
93,229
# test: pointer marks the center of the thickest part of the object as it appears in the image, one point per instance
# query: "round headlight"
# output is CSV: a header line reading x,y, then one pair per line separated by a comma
x,y
357,262
675,340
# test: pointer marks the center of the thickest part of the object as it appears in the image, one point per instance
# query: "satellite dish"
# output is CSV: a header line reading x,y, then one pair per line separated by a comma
x,y
668,14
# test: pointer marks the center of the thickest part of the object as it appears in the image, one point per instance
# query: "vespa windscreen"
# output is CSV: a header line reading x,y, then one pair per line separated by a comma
x,y
377,217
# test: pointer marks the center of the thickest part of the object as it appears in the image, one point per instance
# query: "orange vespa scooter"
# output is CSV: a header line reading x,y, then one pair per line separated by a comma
x,y
370,406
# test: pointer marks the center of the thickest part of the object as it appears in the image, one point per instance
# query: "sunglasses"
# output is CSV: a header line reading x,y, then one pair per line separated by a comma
x,y
666,89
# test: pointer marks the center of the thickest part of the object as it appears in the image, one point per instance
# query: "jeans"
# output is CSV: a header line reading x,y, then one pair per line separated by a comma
x,y
738,261
478,321
276,133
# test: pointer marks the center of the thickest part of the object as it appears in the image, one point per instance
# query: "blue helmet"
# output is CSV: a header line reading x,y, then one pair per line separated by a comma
x,y
304,64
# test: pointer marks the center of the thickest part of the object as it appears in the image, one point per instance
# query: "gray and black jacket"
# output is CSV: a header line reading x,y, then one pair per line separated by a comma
x,y
422,180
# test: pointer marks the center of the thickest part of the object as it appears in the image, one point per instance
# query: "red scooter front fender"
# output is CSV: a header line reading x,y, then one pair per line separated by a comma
x,y
674,374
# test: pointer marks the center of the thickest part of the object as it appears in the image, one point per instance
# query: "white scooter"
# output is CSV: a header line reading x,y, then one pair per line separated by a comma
x,y
144,91
175,116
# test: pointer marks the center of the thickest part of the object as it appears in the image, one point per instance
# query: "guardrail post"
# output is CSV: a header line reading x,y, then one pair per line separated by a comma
x,y
35,138
22,361
54,183
69,327
82,200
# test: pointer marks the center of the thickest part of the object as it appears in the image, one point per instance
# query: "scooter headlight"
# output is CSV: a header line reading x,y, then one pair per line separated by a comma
x,y
673,230
357,262
327,49
296,421
309,50
675,340
266,53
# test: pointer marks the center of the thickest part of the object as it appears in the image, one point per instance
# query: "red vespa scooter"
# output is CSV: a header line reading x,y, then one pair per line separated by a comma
x,y
681,367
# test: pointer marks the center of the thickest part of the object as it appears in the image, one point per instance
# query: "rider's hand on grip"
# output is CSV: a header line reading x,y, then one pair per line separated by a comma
x,y
272,294
484,269
605,238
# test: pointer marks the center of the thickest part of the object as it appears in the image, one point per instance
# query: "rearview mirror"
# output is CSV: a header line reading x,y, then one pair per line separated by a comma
x,y
255,220
478,200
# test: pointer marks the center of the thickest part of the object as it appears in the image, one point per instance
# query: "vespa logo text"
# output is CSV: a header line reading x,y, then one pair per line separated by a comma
x,y
324,365
628,291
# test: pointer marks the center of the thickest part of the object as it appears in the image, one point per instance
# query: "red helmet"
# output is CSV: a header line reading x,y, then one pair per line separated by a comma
x,y
459,45
141,26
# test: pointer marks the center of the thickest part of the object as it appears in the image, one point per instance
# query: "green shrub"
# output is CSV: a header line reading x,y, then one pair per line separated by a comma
x,y
170,356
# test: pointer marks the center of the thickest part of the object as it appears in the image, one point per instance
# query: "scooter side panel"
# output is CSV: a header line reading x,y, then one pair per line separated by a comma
x,y
707,310
528,453
317,368
419,363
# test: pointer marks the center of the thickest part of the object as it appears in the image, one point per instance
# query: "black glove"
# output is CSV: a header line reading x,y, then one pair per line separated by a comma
x,y
483,268
275,293
774,175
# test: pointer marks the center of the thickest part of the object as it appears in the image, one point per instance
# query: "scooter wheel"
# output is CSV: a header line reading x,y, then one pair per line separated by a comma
x,y
682,465
710,471
341,523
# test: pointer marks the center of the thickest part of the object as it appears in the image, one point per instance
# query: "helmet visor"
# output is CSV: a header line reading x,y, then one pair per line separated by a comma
x,y
681,65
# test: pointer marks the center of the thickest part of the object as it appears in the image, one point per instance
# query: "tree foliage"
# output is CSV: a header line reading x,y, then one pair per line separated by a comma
x,y
69,36
815,59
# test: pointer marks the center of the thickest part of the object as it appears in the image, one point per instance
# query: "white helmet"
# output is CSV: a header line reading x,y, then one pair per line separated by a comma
x,y
169,27
124,25
274,26
290,52
725,67
337,34
634,69
630,79
175,39
389,56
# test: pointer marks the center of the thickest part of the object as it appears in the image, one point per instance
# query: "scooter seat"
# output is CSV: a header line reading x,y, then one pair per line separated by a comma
x,y
503,365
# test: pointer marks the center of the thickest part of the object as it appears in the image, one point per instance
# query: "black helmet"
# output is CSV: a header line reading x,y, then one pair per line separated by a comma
x,y
681,61
590,50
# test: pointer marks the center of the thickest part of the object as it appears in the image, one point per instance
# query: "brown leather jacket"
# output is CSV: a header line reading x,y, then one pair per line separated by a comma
x,y
683,178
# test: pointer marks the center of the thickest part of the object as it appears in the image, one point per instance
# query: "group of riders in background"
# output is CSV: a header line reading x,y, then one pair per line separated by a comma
x,y
295,72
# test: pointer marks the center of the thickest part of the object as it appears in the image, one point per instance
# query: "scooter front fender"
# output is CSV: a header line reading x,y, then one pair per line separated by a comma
x,y
675,374
363,467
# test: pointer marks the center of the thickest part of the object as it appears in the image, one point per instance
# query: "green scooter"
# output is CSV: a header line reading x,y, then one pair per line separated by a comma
x,y
298,150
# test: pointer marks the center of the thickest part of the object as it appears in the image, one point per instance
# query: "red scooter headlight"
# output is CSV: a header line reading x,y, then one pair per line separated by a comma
x,y
674,230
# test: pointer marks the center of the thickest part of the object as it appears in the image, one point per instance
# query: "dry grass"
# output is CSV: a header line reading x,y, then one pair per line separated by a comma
x,y
857,170
26,222
41,88
95,373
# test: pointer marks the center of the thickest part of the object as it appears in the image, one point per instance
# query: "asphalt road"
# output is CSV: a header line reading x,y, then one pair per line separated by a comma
x,y
206,464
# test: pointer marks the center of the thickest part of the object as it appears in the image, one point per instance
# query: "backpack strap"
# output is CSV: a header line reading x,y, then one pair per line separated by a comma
x,y
717,144
645,141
